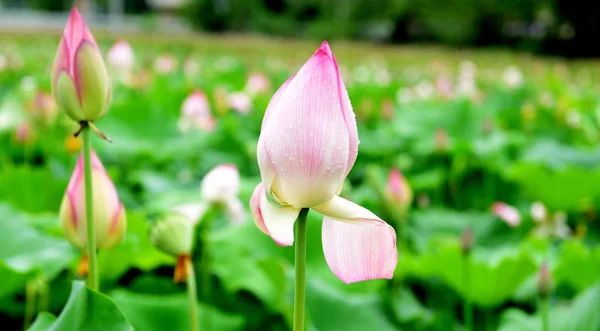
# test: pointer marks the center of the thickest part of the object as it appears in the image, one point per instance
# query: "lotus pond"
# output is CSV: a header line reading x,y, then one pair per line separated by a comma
x,y
496,148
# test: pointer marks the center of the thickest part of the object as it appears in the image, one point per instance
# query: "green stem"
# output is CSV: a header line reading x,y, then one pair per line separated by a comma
x,y
467,305
92,282
29,303
205,265
544,302
192,293
300,261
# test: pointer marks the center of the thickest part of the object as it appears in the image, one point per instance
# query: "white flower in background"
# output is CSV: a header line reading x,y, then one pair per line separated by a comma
x,y
195,113
513,77
120,56
240,102
466,79
424,90
509,214
221,186
548,225
538,212
191,67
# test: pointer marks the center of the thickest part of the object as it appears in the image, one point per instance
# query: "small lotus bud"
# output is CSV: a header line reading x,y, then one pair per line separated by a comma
x,y
79,78
545,282
108,214
221,186
240,102
257,83
467,241
398,190
174,234
195,114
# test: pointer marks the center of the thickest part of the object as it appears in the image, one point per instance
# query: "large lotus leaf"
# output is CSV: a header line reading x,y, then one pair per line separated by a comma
x,y
567,189
85,310
578,265
580,315
495,274
25,252
150,312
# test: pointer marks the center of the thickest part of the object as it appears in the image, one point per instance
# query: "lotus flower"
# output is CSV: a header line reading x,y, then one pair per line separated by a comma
x,y
120,56
221,186
509,214
307,146
398,190
109,213
165,64
195,113
79,79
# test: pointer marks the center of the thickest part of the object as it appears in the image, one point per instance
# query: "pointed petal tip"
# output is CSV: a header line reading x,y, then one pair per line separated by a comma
x,y
325,48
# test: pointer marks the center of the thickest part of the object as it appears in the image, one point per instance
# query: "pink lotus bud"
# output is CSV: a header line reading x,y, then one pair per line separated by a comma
x,y
507,213
257,83
309,140
44,109
109,213
195,113
240,102
79,78
398,190
24,134
307,145
120,56
545,282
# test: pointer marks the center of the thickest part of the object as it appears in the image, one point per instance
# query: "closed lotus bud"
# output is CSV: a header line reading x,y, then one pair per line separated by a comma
x,y
467,241
398,190
257,83
195,113
174,234
309,140
108,215
80,82
509,214
545,282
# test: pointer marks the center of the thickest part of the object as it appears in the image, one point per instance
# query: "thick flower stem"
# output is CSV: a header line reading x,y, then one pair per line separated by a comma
x,y
300,261
192,293
92,282
467,305
545,314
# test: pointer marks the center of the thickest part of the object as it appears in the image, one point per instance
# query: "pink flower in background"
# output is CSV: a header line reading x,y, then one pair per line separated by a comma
x,y
240,102
307,146
165,64
195,113
509,214
257,83
24,134
121,56
109,213
79,78
398,190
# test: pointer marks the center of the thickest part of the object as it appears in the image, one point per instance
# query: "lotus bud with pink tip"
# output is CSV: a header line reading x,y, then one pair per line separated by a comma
x,y
80,82
398,190
109,214
509,214
307,146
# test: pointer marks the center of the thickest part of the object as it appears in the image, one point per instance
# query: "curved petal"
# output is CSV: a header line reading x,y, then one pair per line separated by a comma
x,y
277,222
357,244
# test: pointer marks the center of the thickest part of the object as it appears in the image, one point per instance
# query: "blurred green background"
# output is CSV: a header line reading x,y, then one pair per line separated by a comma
x,y
468,127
